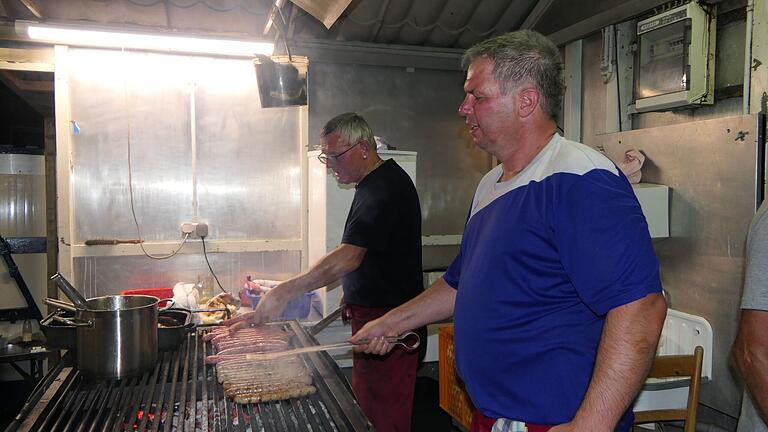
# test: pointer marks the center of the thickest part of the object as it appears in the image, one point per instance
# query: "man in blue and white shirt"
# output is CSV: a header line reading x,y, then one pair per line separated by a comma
x,y
555,292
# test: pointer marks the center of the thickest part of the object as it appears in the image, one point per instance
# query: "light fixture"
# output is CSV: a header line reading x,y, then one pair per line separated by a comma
x,y
78,36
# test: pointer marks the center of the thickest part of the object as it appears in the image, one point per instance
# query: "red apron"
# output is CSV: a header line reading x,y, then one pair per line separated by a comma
x,y
383,385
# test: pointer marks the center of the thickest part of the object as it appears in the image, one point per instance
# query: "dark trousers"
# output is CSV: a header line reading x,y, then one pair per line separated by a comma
x,y
383,385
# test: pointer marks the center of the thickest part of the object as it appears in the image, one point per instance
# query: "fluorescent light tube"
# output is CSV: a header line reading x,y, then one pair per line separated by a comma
x,y
112,39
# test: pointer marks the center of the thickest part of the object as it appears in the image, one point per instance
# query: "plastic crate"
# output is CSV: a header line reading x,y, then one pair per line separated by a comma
x,y
297,308
159,292
453,396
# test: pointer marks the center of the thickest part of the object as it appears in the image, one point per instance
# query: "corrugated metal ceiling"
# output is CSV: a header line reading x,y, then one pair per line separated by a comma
x,y
424,23
430,23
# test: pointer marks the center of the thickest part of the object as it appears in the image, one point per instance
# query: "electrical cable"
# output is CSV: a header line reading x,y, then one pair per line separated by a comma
x,y
130,184
205,254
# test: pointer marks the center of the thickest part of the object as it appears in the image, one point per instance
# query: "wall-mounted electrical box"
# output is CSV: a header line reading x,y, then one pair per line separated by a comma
x,y
675,59
654,201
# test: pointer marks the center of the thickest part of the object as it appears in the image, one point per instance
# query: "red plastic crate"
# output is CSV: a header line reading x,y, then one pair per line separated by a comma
x,y
159,292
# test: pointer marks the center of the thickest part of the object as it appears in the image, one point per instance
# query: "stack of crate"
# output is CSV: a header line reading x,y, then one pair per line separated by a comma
x,y
453,397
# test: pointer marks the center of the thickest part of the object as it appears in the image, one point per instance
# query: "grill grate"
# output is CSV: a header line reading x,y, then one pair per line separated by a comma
x,y
182,393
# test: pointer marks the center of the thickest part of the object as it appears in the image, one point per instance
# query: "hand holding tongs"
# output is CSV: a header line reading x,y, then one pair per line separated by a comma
x,y
396,340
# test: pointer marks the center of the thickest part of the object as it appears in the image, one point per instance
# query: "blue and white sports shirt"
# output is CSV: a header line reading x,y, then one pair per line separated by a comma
x,y
543,259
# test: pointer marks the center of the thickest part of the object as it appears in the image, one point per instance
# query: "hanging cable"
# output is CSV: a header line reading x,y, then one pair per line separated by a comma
x,y
205,254
130,182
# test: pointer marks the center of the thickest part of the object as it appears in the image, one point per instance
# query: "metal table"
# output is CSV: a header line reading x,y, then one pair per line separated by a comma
x,y
13,354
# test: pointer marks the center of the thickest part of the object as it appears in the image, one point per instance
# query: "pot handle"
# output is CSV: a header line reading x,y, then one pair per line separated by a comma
x,y
169,304
60,304
77,299
73,321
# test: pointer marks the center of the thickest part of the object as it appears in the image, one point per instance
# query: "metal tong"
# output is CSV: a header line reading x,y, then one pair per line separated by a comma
x,y
396,340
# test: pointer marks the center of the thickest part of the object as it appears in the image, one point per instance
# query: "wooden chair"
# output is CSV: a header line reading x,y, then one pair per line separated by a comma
x,y
677,366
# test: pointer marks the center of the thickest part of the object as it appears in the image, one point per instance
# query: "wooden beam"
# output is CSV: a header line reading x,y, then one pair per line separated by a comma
x,y
37,59
10,81
516,13
33,7
538,11
49,127
26,85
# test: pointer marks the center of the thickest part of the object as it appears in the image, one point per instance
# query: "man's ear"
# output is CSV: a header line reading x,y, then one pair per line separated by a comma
x,y
528,99
365,146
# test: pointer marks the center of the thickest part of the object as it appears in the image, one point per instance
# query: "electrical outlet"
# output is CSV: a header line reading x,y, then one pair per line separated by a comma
x,y
194,229
187,228
201,229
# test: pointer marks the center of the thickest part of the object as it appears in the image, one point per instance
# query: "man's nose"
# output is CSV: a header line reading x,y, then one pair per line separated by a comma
x,y
465,107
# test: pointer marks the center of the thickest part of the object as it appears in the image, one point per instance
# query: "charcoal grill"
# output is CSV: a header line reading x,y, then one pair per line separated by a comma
x,y
182,393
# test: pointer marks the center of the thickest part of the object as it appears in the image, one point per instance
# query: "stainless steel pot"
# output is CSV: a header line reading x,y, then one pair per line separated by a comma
x,y
116,335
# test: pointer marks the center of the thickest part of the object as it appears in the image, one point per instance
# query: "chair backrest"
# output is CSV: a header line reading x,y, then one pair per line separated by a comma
x,y
677,366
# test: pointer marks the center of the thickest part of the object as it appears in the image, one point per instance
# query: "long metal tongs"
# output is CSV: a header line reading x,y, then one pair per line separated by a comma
x,y
401,340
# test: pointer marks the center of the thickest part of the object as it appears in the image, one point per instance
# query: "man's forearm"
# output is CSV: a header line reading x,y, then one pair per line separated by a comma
x,y
328,269
750,351
626,351
434,304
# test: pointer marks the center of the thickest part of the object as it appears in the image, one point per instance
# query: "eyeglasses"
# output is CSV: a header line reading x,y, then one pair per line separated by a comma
x,y
323,158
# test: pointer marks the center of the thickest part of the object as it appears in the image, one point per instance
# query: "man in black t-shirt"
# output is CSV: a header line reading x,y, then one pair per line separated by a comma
x,y
379,262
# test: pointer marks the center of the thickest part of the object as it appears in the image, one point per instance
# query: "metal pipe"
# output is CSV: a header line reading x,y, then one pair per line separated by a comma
x,y
172,406
73,416
117,399
61,403
127,407
146,404
73,294
158,413
193,391
183,398
217,416
745,99
60,304
204,393
102,406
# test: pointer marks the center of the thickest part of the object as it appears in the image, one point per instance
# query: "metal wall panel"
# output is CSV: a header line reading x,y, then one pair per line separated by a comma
x,y
711,172
415,110
22,214
201,148
22,195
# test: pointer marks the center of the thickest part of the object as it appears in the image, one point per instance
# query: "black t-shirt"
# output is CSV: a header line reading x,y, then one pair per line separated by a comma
x,y
385,218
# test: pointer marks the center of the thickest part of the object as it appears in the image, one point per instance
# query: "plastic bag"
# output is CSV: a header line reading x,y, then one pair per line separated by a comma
x,y
631,165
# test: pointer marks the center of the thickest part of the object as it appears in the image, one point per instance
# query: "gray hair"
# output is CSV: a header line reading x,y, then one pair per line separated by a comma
x,y
351,126
524,56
